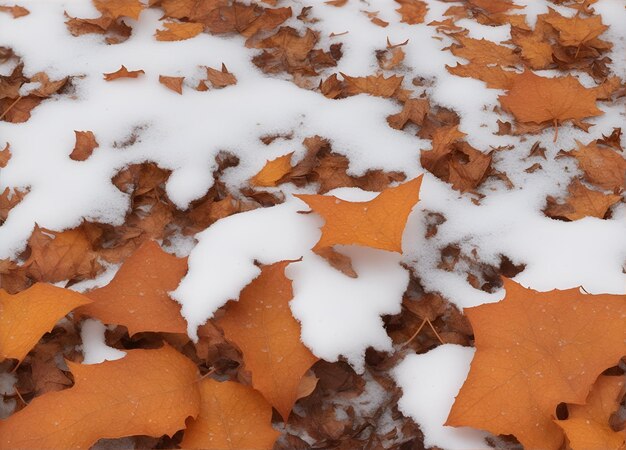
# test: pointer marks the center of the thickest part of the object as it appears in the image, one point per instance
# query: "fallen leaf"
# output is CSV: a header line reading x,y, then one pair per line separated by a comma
x,y
85,145
575,31
119,8
602,167
412,11
376,85
137,297
18,110
390,58
123,72
173,83
148,392
494,6
587,426
494,76
179,31
273,171
536,99
535,350
262,326
232,417
581,202
534,49
5,156
378,223
46,87
484,52
26,316
15,10
220,78
414,111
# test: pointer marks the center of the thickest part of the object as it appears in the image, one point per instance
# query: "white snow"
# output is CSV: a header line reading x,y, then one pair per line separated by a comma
x,y
94,347
429,384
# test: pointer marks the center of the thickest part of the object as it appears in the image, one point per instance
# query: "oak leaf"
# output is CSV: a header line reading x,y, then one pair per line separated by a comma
x,y
137,297
602,167
262,326
148,392
536,99
123,72
378,223
179,31
412,11
26,316
220,78
172,83
273,171
587,426
232,417
85,145
119,8
582,202
535,350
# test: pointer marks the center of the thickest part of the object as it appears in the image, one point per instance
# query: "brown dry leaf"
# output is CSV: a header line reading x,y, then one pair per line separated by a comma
x,y
5,156
494,6
535,50
220,78
179,31
232,417
414,111
288,51
602,167
119,8
587,426
18,110
148,392
273,171
26,316
336,3
484,52
582,202
172,83
577,30
378,223
267,21
8,199
85,145
15,10
373,16
46,87
536,99
376,85
233,18
262,326
412,11
123,72
494,76
58,256
535,350
137,297
390,58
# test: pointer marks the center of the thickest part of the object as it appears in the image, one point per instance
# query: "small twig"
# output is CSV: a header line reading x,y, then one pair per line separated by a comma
x,y
408,341
435,331
556,129
6,111
206,374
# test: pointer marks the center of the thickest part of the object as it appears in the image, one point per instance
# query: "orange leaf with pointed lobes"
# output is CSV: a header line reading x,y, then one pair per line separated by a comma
x,y
378,223
376,85
119,8
602,167
27,316
582,202
412,11
232,417
262,326
172,83
148,392
273,171
123,72
587,426
535,350
137,297
220,78
179,31
577,30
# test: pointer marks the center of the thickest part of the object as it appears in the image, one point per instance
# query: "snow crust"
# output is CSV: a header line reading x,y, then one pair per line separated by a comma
x,y
429,384
94,348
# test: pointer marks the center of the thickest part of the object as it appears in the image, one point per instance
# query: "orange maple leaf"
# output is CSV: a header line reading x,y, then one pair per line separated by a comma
x,y
273,171
119,8
179,31
232,417
412,11
137,296
582,202
148,392
378,223
27,316
535,350
123,72
261,324
602,167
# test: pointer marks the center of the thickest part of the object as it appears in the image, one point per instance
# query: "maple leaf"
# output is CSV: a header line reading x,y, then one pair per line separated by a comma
x,y
494,6
137,296
262,326
484,52
220,78
123,72
582,202
234,18
18,110
273,171
119,8
412,11
15,10
494,76
232,417
535,350
179,31
148,392
288,51
602,166
536,99
378,223
172,83
414,111
376,85
587,426
85,145
26,316
57,256
535,50
575,31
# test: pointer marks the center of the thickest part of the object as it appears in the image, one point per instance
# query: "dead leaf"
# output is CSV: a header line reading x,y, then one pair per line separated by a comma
x,y
26,316
179,31
376,85
85,145
484,52
148,392
378,223
5,156
602,166
220,78
581,202
414,111
123,72
554,343
232,417
15,10
412,11
273,171
172,83
262,326
137,297
575,31
18,110
119,8
494,76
